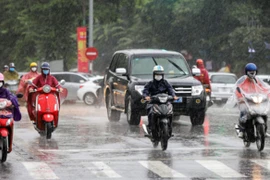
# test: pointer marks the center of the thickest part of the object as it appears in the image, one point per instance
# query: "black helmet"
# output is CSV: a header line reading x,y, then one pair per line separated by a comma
x,y
45,65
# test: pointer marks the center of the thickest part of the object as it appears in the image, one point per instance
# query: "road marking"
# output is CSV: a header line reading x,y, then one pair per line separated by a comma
x,y
103,170
263,163
142,149
220,169
39,170
161,169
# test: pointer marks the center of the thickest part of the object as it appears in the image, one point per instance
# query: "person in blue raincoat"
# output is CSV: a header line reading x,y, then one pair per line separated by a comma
x,y
156,86
4,93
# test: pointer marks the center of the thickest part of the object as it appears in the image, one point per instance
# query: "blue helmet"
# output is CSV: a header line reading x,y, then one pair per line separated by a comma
x,y
45,65
251,70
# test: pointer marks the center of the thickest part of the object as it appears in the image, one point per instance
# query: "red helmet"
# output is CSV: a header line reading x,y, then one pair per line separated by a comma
x,y
199,61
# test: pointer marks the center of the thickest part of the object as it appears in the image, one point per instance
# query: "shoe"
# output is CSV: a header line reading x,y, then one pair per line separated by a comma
x,y
149,130
240,134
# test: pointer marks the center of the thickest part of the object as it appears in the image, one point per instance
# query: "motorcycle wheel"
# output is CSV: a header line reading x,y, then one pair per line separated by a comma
x,y
154,139
164,137
48,130
3,148
260,140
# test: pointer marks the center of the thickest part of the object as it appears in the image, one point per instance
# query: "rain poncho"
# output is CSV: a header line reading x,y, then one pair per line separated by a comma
x,y
204,77
4,93
249,86
11,75
155,87
24,84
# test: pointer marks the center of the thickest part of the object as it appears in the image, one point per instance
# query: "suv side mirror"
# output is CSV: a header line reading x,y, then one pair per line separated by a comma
x,y
121,71
82,81
196,72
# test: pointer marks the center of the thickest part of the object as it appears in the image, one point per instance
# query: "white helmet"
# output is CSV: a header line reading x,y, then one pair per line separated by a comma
x,y
158,69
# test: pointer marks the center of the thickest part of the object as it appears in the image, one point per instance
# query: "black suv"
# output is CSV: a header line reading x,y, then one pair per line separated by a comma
x,y
131,69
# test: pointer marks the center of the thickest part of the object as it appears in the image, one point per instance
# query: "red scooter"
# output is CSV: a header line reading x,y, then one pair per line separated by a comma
x,y
43,108
6,127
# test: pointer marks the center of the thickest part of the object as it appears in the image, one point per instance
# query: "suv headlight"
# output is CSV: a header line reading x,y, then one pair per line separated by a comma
x,y
196,90
139,88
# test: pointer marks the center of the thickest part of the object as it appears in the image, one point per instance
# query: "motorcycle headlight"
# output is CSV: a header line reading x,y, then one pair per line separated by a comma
x,y
3,104
139,88
46,88
8,122
196,90
163,99
257,99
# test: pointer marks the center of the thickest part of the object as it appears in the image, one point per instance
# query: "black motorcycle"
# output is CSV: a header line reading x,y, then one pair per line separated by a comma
x,y
256,124
162,113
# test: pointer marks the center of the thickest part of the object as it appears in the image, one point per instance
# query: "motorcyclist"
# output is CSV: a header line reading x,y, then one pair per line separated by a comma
x,y
45,78
33,73
11,74
204,77
5,93
156,86
247,84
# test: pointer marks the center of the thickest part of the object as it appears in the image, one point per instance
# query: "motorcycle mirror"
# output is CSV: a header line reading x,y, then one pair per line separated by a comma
x,y
62,82
19,95
238,89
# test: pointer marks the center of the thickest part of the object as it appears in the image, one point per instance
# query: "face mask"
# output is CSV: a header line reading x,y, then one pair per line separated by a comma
x,y
34,69
251,74
158,77
45,71
12,69
1,84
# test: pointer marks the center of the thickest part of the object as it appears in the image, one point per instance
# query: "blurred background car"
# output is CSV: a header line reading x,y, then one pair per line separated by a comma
x,y
222,86
73,82
89,91
264,78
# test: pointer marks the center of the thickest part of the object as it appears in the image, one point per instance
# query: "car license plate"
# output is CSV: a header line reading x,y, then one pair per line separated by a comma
x,y
224,90
179,100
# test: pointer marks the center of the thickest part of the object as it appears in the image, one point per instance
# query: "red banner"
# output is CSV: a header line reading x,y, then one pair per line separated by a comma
x,y
83,64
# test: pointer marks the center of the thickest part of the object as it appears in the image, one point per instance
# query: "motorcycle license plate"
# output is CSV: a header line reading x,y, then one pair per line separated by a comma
x,y
179,100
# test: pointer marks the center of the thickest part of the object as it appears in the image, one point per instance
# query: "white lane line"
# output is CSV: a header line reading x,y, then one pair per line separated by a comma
x,y
103,170
143,149
220,169
161,169
39,170
263,163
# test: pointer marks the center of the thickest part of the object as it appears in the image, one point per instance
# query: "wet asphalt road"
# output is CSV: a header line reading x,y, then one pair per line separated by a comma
x,y
87,146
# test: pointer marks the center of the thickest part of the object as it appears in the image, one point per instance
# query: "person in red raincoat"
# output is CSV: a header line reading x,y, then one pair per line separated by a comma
x,y
44,78
204,77
247,83
32,74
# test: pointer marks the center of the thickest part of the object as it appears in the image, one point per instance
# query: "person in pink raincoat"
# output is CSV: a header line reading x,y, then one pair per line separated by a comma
x,y
32,74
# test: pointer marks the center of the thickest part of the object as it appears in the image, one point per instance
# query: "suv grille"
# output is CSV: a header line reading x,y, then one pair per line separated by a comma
x,y
182,90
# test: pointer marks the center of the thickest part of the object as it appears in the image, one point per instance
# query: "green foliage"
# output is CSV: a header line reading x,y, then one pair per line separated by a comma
x,y
38,30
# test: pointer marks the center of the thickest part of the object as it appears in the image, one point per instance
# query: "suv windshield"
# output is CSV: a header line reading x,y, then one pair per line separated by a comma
x,y
174,66
223,79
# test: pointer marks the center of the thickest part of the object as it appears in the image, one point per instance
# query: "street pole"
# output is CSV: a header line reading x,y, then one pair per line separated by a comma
x,y
90,40
90,37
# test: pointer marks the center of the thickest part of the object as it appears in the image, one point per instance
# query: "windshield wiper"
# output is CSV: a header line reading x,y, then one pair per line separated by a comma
x,y
154,60
178,67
